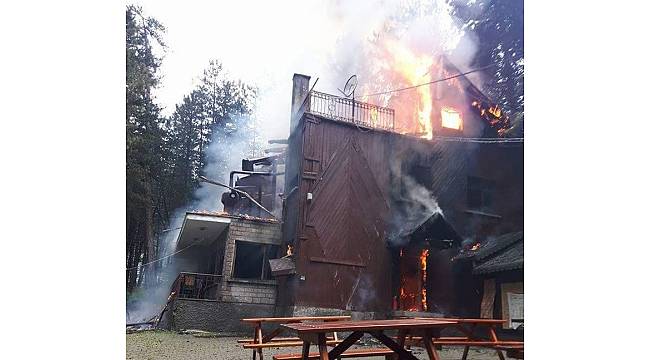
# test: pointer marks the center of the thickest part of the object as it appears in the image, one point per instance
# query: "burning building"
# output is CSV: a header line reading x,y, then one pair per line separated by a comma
x,y
376,204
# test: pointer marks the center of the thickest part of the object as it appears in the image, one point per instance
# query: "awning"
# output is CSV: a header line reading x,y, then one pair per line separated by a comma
x,y
201,229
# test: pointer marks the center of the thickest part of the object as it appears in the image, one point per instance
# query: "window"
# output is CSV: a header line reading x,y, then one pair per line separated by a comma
x,y
451,119
480,193
252,260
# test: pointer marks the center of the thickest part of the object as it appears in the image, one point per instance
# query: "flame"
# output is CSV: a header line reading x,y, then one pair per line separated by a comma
x,y
476,246
495,110
289,250
415,69
412,291
423,267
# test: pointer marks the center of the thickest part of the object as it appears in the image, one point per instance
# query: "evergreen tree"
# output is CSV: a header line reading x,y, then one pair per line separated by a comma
x,y
499,26
143,138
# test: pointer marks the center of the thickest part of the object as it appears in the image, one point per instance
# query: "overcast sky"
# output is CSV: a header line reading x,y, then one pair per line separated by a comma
x,y
262,43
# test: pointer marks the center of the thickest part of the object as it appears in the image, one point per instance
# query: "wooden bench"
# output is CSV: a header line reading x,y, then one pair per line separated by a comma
x,y
388,353
512,351
272,344
271,340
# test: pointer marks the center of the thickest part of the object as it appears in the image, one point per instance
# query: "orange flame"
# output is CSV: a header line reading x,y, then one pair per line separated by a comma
x,y
415,69
423,267
289,250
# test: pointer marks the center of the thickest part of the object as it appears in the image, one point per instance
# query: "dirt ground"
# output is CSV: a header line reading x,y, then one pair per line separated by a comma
x,y
150,345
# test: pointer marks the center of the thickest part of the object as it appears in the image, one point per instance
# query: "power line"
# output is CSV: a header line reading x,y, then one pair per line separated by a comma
x,y
431,82
162,258
480,140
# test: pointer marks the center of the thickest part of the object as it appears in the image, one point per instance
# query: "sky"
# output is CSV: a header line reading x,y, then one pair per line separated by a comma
x,y
263,43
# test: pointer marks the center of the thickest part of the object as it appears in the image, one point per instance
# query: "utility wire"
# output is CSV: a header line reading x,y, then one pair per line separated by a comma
x,y
481,140
162,258
430,82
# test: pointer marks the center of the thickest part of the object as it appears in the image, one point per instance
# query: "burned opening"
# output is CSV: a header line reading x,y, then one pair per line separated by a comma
x,y
418,241
252,260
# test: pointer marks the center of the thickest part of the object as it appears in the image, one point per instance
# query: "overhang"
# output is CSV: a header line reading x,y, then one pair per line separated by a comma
x,y
201,229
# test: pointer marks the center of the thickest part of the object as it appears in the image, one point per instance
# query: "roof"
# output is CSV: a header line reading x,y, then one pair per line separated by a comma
x,y
432,227
491,246
233,216
510,259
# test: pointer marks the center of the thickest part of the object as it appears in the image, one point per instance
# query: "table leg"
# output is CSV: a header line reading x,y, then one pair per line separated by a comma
x,y
349,341
401,339
493,336
401,352
430,346
470,335
258,332
255,341
305,350
322,346
274,333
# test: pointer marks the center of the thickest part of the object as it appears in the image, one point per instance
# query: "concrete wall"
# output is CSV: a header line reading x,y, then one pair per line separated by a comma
x,y
247,290
217,316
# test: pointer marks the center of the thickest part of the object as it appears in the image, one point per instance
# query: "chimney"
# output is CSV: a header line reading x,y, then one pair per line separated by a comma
x,y
298,95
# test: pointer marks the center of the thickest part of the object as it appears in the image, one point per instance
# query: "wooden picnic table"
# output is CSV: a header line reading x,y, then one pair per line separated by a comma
x,y
469,328
316,333
260,341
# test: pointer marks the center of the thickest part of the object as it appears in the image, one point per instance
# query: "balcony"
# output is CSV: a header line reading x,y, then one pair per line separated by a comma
x,y
351,111
196,286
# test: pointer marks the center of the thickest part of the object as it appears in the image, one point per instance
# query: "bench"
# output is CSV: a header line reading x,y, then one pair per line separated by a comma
x,y
388,353
272,344
271,340
250,341
512,351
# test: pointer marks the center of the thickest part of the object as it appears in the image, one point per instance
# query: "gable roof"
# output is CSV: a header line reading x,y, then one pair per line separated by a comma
x,y
433,228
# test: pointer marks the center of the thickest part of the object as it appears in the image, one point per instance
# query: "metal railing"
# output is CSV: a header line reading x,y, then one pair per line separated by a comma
x,y
197,286
352,111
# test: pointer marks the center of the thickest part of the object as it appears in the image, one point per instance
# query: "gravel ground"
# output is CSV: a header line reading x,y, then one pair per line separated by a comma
x,y
146,345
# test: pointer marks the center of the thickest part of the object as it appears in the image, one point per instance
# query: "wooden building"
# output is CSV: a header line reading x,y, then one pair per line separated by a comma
x,y
356,193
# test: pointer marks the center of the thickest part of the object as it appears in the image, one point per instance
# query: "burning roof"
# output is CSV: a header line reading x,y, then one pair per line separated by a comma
x,y
491,246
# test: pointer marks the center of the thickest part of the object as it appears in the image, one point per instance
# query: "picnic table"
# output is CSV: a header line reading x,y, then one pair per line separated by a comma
x,y
316,333
470,328
260,341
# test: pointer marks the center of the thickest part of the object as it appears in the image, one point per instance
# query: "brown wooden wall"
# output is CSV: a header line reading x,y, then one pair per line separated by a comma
x,y
340,236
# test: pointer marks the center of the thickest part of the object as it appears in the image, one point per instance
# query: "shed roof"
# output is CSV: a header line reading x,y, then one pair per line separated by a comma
x,y
510,259
491,246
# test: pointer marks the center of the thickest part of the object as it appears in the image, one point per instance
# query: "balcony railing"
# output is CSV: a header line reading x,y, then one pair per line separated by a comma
x,y
352,111
196,286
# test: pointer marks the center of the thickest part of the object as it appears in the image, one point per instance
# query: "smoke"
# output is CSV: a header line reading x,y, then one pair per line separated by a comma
x,y
342,38
227,147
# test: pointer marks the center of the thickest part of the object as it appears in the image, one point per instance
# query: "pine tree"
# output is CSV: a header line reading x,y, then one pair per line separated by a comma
x,y
143,137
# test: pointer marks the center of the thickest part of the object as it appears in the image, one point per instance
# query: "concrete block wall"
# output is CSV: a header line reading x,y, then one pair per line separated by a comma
x,y
248,290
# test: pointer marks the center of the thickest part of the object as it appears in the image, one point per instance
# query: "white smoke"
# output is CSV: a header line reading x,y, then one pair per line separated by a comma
x,y
266,43
221,158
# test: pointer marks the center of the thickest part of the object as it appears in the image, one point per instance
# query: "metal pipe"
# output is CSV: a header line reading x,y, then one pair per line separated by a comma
x,y
230,182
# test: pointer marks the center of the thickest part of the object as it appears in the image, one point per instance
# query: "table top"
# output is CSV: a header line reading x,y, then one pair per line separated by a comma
x,y
297,319
367,325
470,321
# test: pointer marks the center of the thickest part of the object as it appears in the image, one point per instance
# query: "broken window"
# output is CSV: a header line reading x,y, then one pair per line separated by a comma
x,y
252,260
480,193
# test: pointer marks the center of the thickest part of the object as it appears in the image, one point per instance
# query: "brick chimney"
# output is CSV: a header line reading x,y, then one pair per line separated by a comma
x,y
298,95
